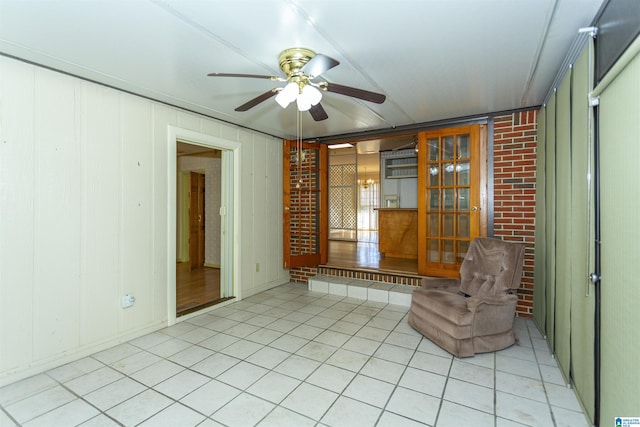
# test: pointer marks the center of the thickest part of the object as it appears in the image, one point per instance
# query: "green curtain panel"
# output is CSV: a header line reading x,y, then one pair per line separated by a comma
x,y
620,237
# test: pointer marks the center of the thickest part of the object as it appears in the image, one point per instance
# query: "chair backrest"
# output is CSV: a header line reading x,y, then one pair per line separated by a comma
x,y
491,267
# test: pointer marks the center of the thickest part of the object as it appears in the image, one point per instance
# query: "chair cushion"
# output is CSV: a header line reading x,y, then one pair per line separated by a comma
x,y
491,267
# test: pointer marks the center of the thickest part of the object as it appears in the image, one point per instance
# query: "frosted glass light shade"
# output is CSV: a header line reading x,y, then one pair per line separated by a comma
x,y
287,95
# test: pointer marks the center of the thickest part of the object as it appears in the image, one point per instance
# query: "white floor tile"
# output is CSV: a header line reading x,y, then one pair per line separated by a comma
x,y
280,417
181,384
215,364
273,387
520,386
452,414
317,351
423,381
384,370
522,410
139,408
241,349
190,356
71,414
40,403
297,367
403,340
347,412
362,345
430,362
158,372
568,418
393,353
244,410
469,395
416,406
174,415
472,373
389,419
72,370
369,390
242,375
331,378
19,390
210,397
347,359
310,400
135,362
268,357
100,421
115,393
289,343
93,380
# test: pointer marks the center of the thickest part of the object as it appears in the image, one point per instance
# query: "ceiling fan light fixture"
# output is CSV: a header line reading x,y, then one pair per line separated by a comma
x,y
308,97
287,95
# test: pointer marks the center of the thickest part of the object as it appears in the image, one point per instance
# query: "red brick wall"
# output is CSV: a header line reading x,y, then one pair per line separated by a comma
x,y
514,181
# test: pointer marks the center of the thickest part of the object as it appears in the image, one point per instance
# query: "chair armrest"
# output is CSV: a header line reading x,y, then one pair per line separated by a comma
x,y
492,314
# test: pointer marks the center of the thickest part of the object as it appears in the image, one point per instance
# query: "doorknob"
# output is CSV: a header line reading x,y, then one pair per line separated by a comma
x,y
286,208
474,208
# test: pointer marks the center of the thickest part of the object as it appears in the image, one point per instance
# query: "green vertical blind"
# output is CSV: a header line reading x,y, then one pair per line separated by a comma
x,y
620,237
563,301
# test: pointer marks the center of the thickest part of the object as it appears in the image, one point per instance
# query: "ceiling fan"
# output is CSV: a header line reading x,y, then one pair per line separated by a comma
x,y
301,66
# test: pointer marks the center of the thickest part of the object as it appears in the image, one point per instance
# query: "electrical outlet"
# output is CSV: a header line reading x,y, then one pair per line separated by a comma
x,y
127,301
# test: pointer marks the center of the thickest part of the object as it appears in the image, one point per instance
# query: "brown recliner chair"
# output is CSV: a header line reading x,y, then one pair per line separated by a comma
x,y
473,314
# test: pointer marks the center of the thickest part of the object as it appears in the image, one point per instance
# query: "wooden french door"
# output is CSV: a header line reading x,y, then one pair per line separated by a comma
x,y
196,220
305,201
449,198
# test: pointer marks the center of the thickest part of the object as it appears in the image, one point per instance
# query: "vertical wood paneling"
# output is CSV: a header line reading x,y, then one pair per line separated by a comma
x,y
261,198
162,117
101,205
84,214
620,237
57,216
137,239
16,213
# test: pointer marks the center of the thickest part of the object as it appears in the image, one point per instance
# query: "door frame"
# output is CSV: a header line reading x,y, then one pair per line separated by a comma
x,y
230,211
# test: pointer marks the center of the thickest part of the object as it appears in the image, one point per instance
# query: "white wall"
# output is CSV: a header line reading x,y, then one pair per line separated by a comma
x,y
84,215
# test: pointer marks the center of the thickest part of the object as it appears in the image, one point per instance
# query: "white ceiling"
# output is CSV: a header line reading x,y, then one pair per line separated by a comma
x,y
433,59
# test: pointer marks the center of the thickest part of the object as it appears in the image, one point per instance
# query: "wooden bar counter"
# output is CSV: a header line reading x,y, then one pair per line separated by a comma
x,y
398,232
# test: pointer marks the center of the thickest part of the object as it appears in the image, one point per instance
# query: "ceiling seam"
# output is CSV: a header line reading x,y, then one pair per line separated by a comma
x,y
538,54
299,10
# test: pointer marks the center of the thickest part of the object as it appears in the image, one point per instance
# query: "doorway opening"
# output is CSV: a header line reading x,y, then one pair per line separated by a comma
x,y
199,190
202,260
356,192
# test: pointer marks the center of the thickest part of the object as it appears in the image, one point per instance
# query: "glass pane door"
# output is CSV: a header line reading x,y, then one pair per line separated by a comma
x,y
447,199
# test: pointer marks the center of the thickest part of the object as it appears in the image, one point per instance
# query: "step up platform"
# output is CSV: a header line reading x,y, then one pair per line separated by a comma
x,y
388,293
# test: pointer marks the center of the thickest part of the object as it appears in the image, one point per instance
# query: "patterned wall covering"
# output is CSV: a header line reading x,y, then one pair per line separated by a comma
x,y
342,197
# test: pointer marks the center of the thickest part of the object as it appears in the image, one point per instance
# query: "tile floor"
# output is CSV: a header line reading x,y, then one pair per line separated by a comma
x,y
291,357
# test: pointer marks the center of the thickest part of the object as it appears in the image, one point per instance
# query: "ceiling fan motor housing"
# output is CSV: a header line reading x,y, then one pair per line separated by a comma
x,y
292,60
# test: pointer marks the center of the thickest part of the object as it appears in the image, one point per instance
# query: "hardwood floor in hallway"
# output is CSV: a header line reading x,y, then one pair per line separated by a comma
x,y
365,255
197,288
